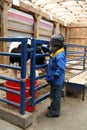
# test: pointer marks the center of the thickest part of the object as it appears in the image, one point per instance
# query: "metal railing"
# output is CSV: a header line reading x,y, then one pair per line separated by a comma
x,y
22,80
76,53
33,67
33,89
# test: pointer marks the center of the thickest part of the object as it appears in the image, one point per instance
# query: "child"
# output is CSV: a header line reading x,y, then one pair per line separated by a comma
x,y
55,74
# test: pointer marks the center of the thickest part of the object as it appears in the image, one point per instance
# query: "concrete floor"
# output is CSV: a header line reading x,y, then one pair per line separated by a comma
x,y
73,116
7,126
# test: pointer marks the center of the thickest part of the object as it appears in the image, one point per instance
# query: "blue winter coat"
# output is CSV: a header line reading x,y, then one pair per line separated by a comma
x,y
56,66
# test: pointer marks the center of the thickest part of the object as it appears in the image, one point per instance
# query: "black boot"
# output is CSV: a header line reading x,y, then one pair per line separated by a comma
x,y
50,115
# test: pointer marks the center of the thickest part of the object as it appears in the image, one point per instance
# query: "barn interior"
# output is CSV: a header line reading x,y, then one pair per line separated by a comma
x,y
40,19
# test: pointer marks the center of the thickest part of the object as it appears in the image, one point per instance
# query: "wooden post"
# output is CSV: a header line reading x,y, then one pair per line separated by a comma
x,y
67,34
4,29
36,25
56,28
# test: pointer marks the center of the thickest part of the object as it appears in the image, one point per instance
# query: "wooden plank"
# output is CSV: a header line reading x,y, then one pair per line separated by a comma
x,y
8,1
4,31
77,24
46,35
13,20
36,25
21,30
67,34
56,28
76,37
47,2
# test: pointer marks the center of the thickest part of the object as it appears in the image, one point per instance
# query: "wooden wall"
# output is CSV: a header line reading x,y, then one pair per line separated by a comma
x,y
75,35
78,35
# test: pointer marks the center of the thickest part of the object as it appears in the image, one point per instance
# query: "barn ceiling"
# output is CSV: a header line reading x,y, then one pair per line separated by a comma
x,y
68,11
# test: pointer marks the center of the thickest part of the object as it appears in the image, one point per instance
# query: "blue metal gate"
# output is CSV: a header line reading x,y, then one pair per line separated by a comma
x,y
23,55
22,80
32,72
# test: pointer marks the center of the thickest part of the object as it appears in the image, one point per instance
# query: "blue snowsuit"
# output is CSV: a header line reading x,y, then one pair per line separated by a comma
x,y
56,67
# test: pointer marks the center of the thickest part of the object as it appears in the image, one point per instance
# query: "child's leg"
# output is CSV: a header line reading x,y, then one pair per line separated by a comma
x,y
55,95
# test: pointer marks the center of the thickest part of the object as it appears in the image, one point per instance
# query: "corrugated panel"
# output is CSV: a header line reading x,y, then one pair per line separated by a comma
x,y
18,26
46,29
19,23
46,25
45,32
44,38
17,34
20,16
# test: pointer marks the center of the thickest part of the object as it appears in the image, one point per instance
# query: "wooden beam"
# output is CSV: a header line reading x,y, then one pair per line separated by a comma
x,y
45,2
21,30
1,5
4,21
77,37
6,1
32,10
36,25
67,34
56,28
78,24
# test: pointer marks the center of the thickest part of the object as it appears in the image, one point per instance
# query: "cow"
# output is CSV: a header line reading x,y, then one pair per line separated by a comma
x,y
15,47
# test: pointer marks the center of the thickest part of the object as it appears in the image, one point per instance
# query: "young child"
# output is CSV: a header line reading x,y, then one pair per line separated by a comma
x,y
55,74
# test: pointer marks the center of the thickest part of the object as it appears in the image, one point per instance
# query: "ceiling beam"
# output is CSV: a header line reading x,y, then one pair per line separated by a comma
x,y
32,10
45,2
65,12
77,24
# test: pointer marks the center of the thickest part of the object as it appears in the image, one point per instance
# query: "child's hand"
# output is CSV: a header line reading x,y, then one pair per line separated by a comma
x,y
50,79
56,76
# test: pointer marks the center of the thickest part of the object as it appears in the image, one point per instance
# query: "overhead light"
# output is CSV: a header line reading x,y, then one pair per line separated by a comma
x,y
16,2
51,17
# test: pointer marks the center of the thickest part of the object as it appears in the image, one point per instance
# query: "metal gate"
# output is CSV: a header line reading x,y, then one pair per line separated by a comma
x,y
32,72
22,69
